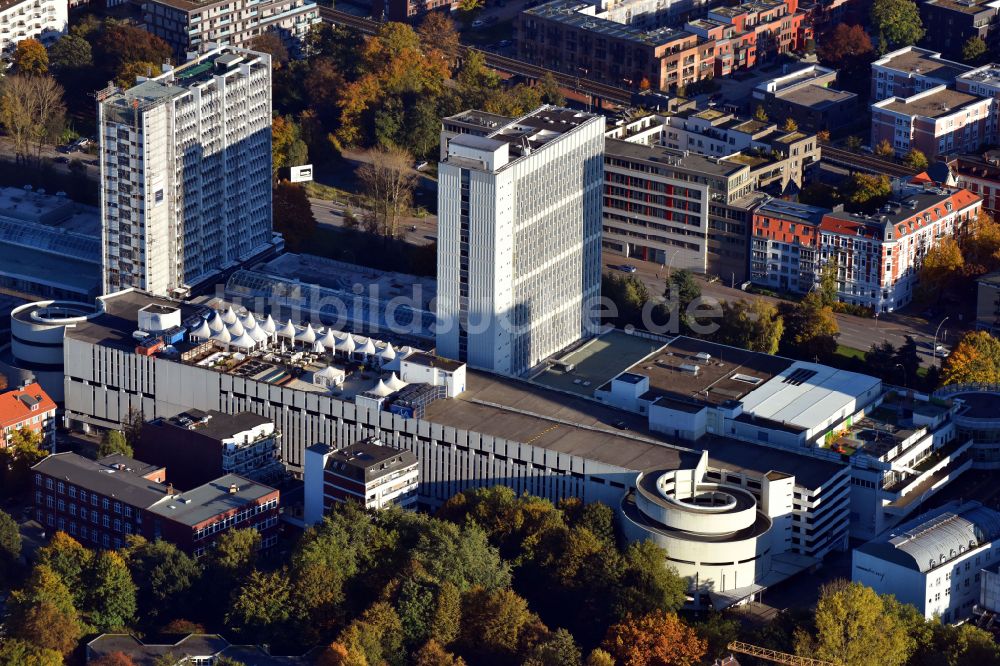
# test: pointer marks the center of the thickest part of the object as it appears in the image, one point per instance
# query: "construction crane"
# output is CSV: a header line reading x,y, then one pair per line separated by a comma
x,y
768,654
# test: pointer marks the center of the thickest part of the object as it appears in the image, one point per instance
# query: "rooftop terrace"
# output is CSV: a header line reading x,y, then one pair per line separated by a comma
x,y
922,62
940,102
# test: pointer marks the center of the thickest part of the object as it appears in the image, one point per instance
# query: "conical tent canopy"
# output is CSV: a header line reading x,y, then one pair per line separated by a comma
x,y
244,342
288,330
306,335
381,389
346,345
367,347
268,325
388,353
258,334
222,336
329,340
216,323
248,321
236,329
318,347
229,316
395,383
202,330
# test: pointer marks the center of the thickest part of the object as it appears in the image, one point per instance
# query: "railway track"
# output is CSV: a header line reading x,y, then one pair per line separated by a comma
x,y
860,162
496,61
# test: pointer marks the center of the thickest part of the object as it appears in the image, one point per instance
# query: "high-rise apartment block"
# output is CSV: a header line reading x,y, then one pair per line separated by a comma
x,y
186,172
44,20
187,25
519,250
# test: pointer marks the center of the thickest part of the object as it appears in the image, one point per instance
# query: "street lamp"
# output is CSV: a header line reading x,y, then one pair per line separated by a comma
x,y
905,379
936,331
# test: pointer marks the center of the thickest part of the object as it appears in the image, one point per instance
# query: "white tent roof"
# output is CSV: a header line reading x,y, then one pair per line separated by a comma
x,y
248,321
329,340
268,325
388,353
288,330
395,383
346,345
216,323
258,334
307,335
329,372
367,347
229,316
381,389
203,330
244,342
236,329
318,347
222,336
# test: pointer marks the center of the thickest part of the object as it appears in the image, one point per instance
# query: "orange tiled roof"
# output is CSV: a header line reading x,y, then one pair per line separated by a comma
x,y
15,406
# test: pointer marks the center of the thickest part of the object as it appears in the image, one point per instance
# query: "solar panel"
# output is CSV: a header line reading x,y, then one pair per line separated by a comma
x,y
799,377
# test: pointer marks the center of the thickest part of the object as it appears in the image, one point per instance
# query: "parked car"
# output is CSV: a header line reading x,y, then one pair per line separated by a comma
x,y
627,268
421,165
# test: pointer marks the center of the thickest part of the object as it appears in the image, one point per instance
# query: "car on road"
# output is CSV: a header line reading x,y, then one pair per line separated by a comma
x,y
627,268
941,349
478,23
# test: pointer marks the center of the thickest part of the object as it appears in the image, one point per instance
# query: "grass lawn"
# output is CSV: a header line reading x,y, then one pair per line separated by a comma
x,y
329,193
850,352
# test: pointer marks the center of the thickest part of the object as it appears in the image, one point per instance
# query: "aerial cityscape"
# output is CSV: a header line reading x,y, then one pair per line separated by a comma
x,y
500,332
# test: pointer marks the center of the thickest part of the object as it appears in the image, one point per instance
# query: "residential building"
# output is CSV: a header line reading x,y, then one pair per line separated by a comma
x,y
933,562
679,190
519,221
911,70
786,241
979,174
878,256
101,502
191,649
810,98
44,20
988,303
31,408
577,38
936,121
409,10
752,33
190,25
186,172
954,22
199,446
366,472
50,246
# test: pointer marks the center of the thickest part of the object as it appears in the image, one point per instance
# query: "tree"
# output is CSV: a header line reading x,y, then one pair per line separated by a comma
x,y
760,114
261,606
432,654
439,36
654,639
556,649
70,560
132,428
114,442
30,58
628,294
462,556
856,627
823,136
647,582
754,325
32,113
975,359
15,652
599,657
374,638
718,632
686,287
120,44
869,191
916,160
70,53
492,624
130,72
114,659
270,42
387,181
811,330
10,540
854,143
829,284
164,577
898,21
110,593
846,46
940,269
446,622
885,149
973,49
549,87
287,147
293,215
789,125
235,553
42,612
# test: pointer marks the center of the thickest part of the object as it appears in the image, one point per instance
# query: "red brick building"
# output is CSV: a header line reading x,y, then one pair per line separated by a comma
x,y
27,407
100,503
785,240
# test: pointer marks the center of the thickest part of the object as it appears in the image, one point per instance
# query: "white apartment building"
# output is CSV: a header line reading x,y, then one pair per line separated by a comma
x,y
911,70
519,249
44,20
366,472
186,172
933,562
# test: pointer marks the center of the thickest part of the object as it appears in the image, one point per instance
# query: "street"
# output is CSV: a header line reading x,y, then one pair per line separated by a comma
x,y
51,154
857,332
415,230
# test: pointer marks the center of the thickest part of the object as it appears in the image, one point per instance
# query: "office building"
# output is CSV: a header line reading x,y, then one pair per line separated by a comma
x,y
810,97
101,502
365,472
186,172
954,22
911,70
199,446
189,25
979,174
936,121
933,562
28,407
44,20
519,247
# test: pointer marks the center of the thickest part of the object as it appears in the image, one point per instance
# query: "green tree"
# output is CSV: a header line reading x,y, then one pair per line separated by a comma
x,y
629,294
556,649
916,160
755,325
293,215
648,583
811,330
70,560
164,577
30,58
235,553
376,637
15,652
718,632
132,428
260,607
975,359
549,88
973,49
682,289
854,143
461,556
898,21
10,541
829,283
446,622
856,627
42,612
110,593
868,191
114,442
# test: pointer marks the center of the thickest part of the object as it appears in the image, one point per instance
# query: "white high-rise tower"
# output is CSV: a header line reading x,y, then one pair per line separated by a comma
x,y
519,239
186,172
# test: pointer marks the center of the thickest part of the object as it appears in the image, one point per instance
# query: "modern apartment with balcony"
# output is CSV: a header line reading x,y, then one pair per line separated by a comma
x,y
44,20
186,172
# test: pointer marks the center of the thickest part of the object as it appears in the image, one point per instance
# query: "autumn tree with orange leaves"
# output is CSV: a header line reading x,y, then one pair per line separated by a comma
x,y
656,639
976,359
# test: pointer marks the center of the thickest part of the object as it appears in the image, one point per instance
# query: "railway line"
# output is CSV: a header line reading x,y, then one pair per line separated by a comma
x,y
599,91
860,162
